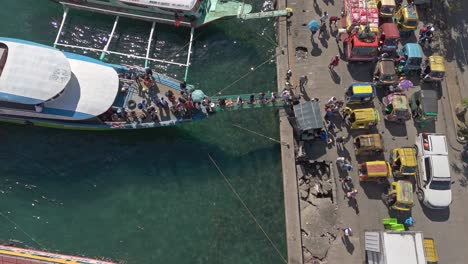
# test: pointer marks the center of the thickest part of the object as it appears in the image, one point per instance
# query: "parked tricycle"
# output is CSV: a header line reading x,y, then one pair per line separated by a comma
x,y
374,171
434,69
406,19
364,118
389,37
403,162
385,74
400,196
410,59
360,93
371,144
396,108
424,106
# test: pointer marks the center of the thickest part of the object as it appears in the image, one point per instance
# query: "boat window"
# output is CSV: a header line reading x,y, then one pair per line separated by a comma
x,y
3,56
137,5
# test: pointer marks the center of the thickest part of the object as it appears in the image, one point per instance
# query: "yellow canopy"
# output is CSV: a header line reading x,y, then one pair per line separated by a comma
x,y
378,168
404,191
437,63
407,156
388,2
366,115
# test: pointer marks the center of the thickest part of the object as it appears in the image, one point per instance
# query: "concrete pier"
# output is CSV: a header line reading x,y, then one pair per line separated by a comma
x,y
291,199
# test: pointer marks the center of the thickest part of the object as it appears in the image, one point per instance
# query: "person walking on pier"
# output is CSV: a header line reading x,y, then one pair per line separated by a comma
x,y
313,26
324,18
303,82
334,62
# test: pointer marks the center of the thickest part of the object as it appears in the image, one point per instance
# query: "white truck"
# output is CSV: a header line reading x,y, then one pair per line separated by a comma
x,y
391,247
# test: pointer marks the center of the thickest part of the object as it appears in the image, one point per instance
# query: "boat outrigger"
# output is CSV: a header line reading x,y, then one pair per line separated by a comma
x,y
187,13
66,90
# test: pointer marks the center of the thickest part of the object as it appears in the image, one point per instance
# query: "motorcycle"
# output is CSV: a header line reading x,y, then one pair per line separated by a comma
x,y
425,36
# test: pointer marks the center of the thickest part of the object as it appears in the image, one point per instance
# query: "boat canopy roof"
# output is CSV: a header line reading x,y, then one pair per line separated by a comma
x,y
91,91
33,73
185,5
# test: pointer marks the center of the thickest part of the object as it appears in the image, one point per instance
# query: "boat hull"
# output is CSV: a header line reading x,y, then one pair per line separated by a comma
x,y
91,127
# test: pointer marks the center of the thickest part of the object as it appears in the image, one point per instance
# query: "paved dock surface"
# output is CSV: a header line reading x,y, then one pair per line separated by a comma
x,y
447,227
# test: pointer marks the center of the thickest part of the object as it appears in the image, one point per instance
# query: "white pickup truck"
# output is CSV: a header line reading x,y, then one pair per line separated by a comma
x,y
433,180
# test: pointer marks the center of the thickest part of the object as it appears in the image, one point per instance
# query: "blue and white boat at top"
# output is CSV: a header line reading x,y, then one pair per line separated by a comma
x,y
43,86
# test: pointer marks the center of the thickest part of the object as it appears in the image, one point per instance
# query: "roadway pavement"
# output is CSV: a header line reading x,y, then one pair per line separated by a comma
x,y
312,58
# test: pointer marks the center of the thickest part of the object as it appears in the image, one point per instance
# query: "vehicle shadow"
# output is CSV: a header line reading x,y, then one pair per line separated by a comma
x,y
374,190
396,129
411,38
429,127
440,215
361,72
315,149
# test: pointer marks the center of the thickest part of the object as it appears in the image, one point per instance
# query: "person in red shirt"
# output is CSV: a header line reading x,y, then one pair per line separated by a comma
x,y
334,62
334,20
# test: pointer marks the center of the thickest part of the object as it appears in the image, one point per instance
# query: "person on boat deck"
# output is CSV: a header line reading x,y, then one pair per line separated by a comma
x,y
39,107
239,100
163,102
183,85
172,99
222,101
206,101
149,72
184,95
182,100
273,97
261,97
252,99
189,104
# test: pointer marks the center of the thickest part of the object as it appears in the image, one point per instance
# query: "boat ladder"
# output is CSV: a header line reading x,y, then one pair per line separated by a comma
x,y
105,50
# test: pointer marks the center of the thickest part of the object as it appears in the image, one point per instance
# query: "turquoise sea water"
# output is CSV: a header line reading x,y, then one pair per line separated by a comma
x,y
149,196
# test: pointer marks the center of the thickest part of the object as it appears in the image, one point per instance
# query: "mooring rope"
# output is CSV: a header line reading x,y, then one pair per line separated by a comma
x,y
247,209
251,71
22,230
267,137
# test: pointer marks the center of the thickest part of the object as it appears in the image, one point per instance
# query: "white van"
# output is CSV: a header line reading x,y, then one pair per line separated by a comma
x,y
433,180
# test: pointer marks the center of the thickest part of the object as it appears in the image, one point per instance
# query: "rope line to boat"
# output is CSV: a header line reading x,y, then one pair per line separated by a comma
x,y
251,71
267,137
174,54
247,209
22,230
